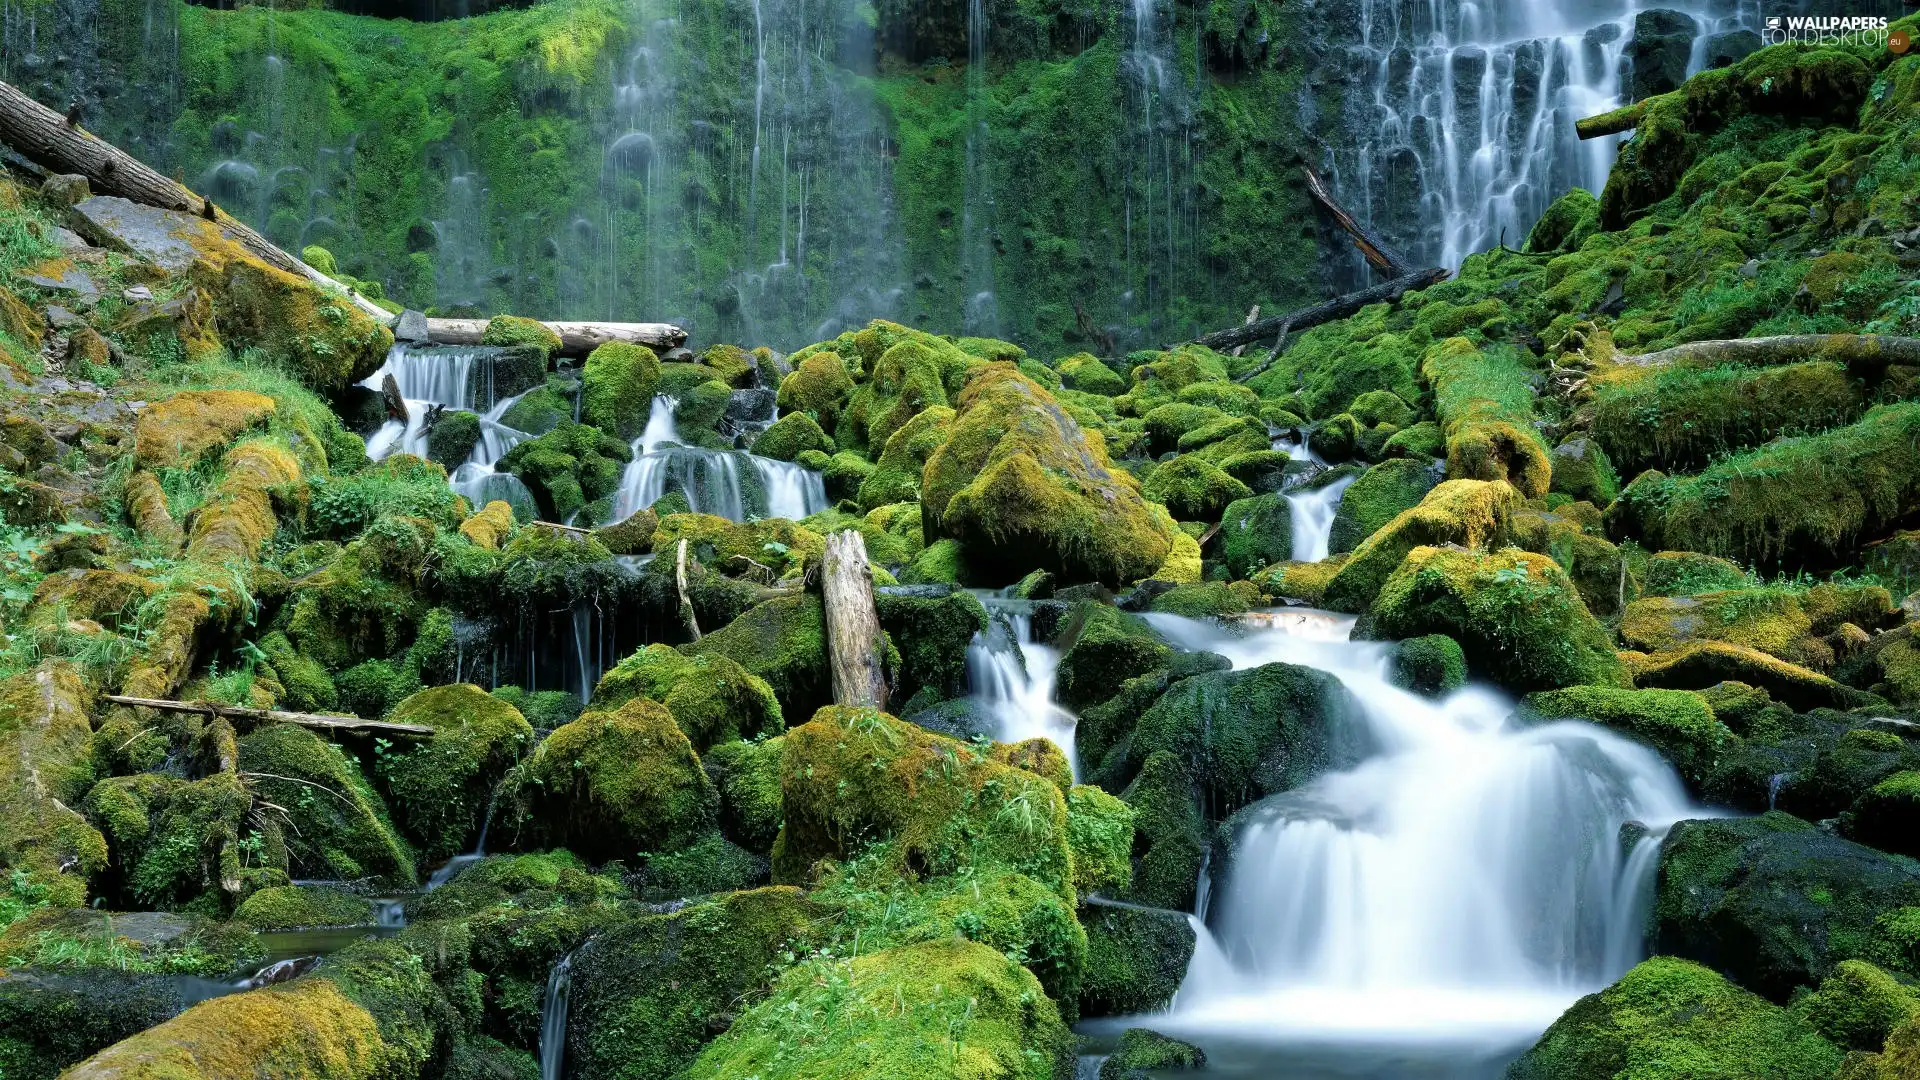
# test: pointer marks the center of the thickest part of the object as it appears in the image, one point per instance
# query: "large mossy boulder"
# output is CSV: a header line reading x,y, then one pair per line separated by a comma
x,y
175,842
896,476
931,634
711,697
1141,1050
569,467
1678,723
1516,614
792,435
616,388
441,790
615,783
336,825
1136,958
46,767
1468,513
747,776
849,777
1193,488
1021,485
1382,493
648,995
1668,1019
1773,901
1256,532
1104,648
1169,830
192,424
52,1019
1858,1006
943,1010
782,641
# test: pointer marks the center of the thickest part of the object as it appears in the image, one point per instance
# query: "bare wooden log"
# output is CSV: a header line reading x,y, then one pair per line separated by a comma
x,y
1611,123
395,403
321,721
1323,312
1253,315
576,338
45,138
1273,355
680,585
853,622
1857,352
1380,255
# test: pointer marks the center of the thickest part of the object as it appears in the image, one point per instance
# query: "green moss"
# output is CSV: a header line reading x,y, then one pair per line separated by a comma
x,y
1136,959
1515,611
1680,417
616,388
1485,400
1141,1049
1381,494
896,476
711,697
818,387
1432,664
1668,1018
1105,648
782,641
568,467
1583,472
1086,373
88,939
747,776
512,330
1022,485
292,907
1100,838
337,826
932,635
790,436
614,783
939,563
1210,599
1885,815
442,790
946,1008
1857,1006
1169,831
1194,489
1567,223
45,766
1470,513
1677,723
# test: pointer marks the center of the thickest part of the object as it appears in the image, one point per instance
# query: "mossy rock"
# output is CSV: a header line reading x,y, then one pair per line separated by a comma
x,y
82,939
53,1020
896,1013
792,435
1100,836
931,634
615,783
1382,493
782,641
337,826
1886,815
646,993
616,388
490,525
1020,484
896,477
1432,664
185,428
1140,1049
512,330
1088,374
1136,959
568,467
294,907
854,776
1209,599
1858,1005
1772,901
1469,513
1667,1019
1582,471
711,697
747,776
174,840
442,789
1514,612
1677,723
1194,489
1170,832
1700,664
1105,648
818,387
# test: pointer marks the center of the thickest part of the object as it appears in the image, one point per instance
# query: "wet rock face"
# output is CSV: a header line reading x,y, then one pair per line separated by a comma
x,y
1661,46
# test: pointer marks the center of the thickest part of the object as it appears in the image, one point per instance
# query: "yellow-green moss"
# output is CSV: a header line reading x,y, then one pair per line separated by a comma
x,y
178,432
712,698
1470,513
612,784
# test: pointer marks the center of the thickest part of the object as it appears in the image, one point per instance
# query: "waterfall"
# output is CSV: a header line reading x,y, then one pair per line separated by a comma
x,y
1311,514
1468,111
1011,674
553,1019
1465,884
981,315
711,479
460,862
452,379
1161,212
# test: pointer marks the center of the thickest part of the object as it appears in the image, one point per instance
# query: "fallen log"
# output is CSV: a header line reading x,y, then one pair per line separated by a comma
x,y
1611,123
44,137
1323,312
1273,355
576,338
1379,254
855,648
680,586
1856,352
320,721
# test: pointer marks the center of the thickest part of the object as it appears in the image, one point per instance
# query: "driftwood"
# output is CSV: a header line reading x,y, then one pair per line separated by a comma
x,y
1611,123
1323,312
320,721
47,139
853,622
1253,315
1857,352
1273,354
680,585
395,403
1379,254
576,338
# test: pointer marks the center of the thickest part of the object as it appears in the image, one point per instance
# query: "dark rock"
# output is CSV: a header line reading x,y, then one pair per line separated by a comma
x,y
1730,47
1136,958
1141,1050
1661,46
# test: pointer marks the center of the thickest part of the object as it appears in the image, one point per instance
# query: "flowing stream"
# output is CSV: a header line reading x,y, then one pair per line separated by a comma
x,y
452,380
712,479
1442,902
553,1019
1310,514
1011,674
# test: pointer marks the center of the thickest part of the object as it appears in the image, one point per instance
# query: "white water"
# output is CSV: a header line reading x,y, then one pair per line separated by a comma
x,y
1473,109
451,379
1311,514
1012,676
553,1019
710,479
1462,886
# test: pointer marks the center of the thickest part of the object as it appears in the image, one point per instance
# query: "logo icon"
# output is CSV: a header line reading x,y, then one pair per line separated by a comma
x,y
1773,22
1899,41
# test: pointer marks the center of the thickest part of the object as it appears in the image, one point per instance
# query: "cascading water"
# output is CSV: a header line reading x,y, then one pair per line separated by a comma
x,y
1310,513
1466,130
711,479
1162,213
452,379
1462,886
1011,674
553,1019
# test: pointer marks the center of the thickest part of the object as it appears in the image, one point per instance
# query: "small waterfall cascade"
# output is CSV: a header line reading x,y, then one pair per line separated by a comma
x,y
1311,514
1469,105
455,379
460,862
712,480
553,1019
1462,886
1011,674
